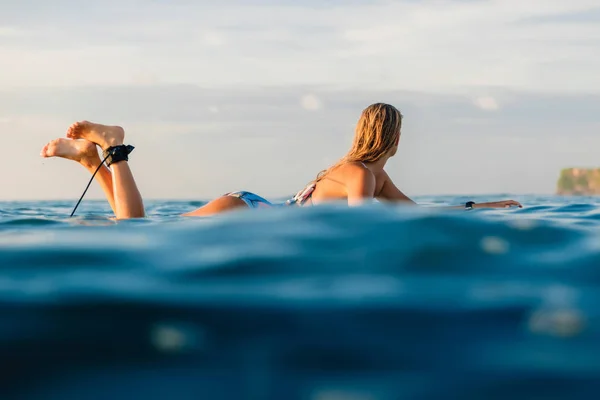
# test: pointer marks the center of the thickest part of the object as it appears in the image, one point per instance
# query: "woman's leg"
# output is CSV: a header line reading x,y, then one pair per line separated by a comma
x,y
119,187
127,198
217,206
230,202
86,154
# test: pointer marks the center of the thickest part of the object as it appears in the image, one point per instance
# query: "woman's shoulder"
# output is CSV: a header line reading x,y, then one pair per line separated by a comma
x,y
351,173
354,167
357,171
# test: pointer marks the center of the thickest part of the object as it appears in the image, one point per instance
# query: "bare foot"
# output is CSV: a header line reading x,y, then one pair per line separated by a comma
x,y
82,151
104,136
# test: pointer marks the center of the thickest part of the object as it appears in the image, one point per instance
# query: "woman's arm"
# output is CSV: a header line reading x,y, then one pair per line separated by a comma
x,y
389,192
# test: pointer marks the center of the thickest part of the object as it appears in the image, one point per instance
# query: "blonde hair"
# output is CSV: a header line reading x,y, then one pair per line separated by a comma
x,y
376,133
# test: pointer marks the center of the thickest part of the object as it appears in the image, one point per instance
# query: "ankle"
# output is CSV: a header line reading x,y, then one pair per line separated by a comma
x,y
90,165
112,142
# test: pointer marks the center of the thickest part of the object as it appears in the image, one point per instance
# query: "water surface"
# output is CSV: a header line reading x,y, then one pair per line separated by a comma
x,y
316,303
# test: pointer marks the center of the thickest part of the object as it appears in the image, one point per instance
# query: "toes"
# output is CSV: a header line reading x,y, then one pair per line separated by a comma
x,y
74,130
77,128
71,130
49,149
52,146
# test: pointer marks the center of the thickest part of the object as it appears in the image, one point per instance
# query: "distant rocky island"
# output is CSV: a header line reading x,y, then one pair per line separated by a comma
x,y
579,182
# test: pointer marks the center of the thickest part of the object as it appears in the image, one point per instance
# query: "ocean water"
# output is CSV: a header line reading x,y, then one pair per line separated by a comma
x,y
321,303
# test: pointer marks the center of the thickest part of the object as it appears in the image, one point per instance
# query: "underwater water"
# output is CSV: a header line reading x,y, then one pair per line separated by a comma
x,y
321,303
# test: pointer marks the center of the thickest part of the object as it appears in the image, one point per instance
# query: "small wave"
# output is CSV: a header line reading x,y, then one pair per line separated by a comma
x,y
28,222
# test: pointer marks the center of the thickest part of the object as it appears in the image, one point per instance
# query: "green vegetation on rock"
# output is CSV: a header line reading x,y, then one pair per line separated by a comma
x,y
579,182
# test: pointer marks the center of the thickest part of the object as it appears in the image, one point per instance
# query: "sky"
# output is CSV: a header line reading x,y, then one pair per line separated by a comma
x,y
498,95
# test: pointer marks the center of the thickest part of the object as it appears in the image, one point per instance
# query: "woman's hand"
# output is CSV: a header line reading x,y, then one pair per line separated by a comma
x,y
498,204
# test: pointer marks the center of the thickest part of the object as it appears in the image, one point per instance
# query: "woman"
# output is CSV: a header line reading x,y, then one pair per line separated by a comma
x,y
357,177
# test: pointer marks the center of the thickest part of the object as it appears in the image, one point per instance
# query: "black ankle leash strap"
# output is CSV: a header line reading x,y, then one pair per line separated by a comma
x,y
111,155
115,154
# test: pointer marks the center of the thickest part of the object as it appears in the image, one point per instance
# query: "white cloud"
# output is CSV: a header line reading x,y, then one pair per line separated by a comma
x,y
486,103
310,102
145,79
8,32
427,45
213,39
213,109
91,65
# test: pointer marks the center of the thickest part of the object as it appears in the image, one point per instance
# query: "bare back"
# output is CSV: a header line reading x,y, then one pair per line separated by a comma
x,y
353,181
